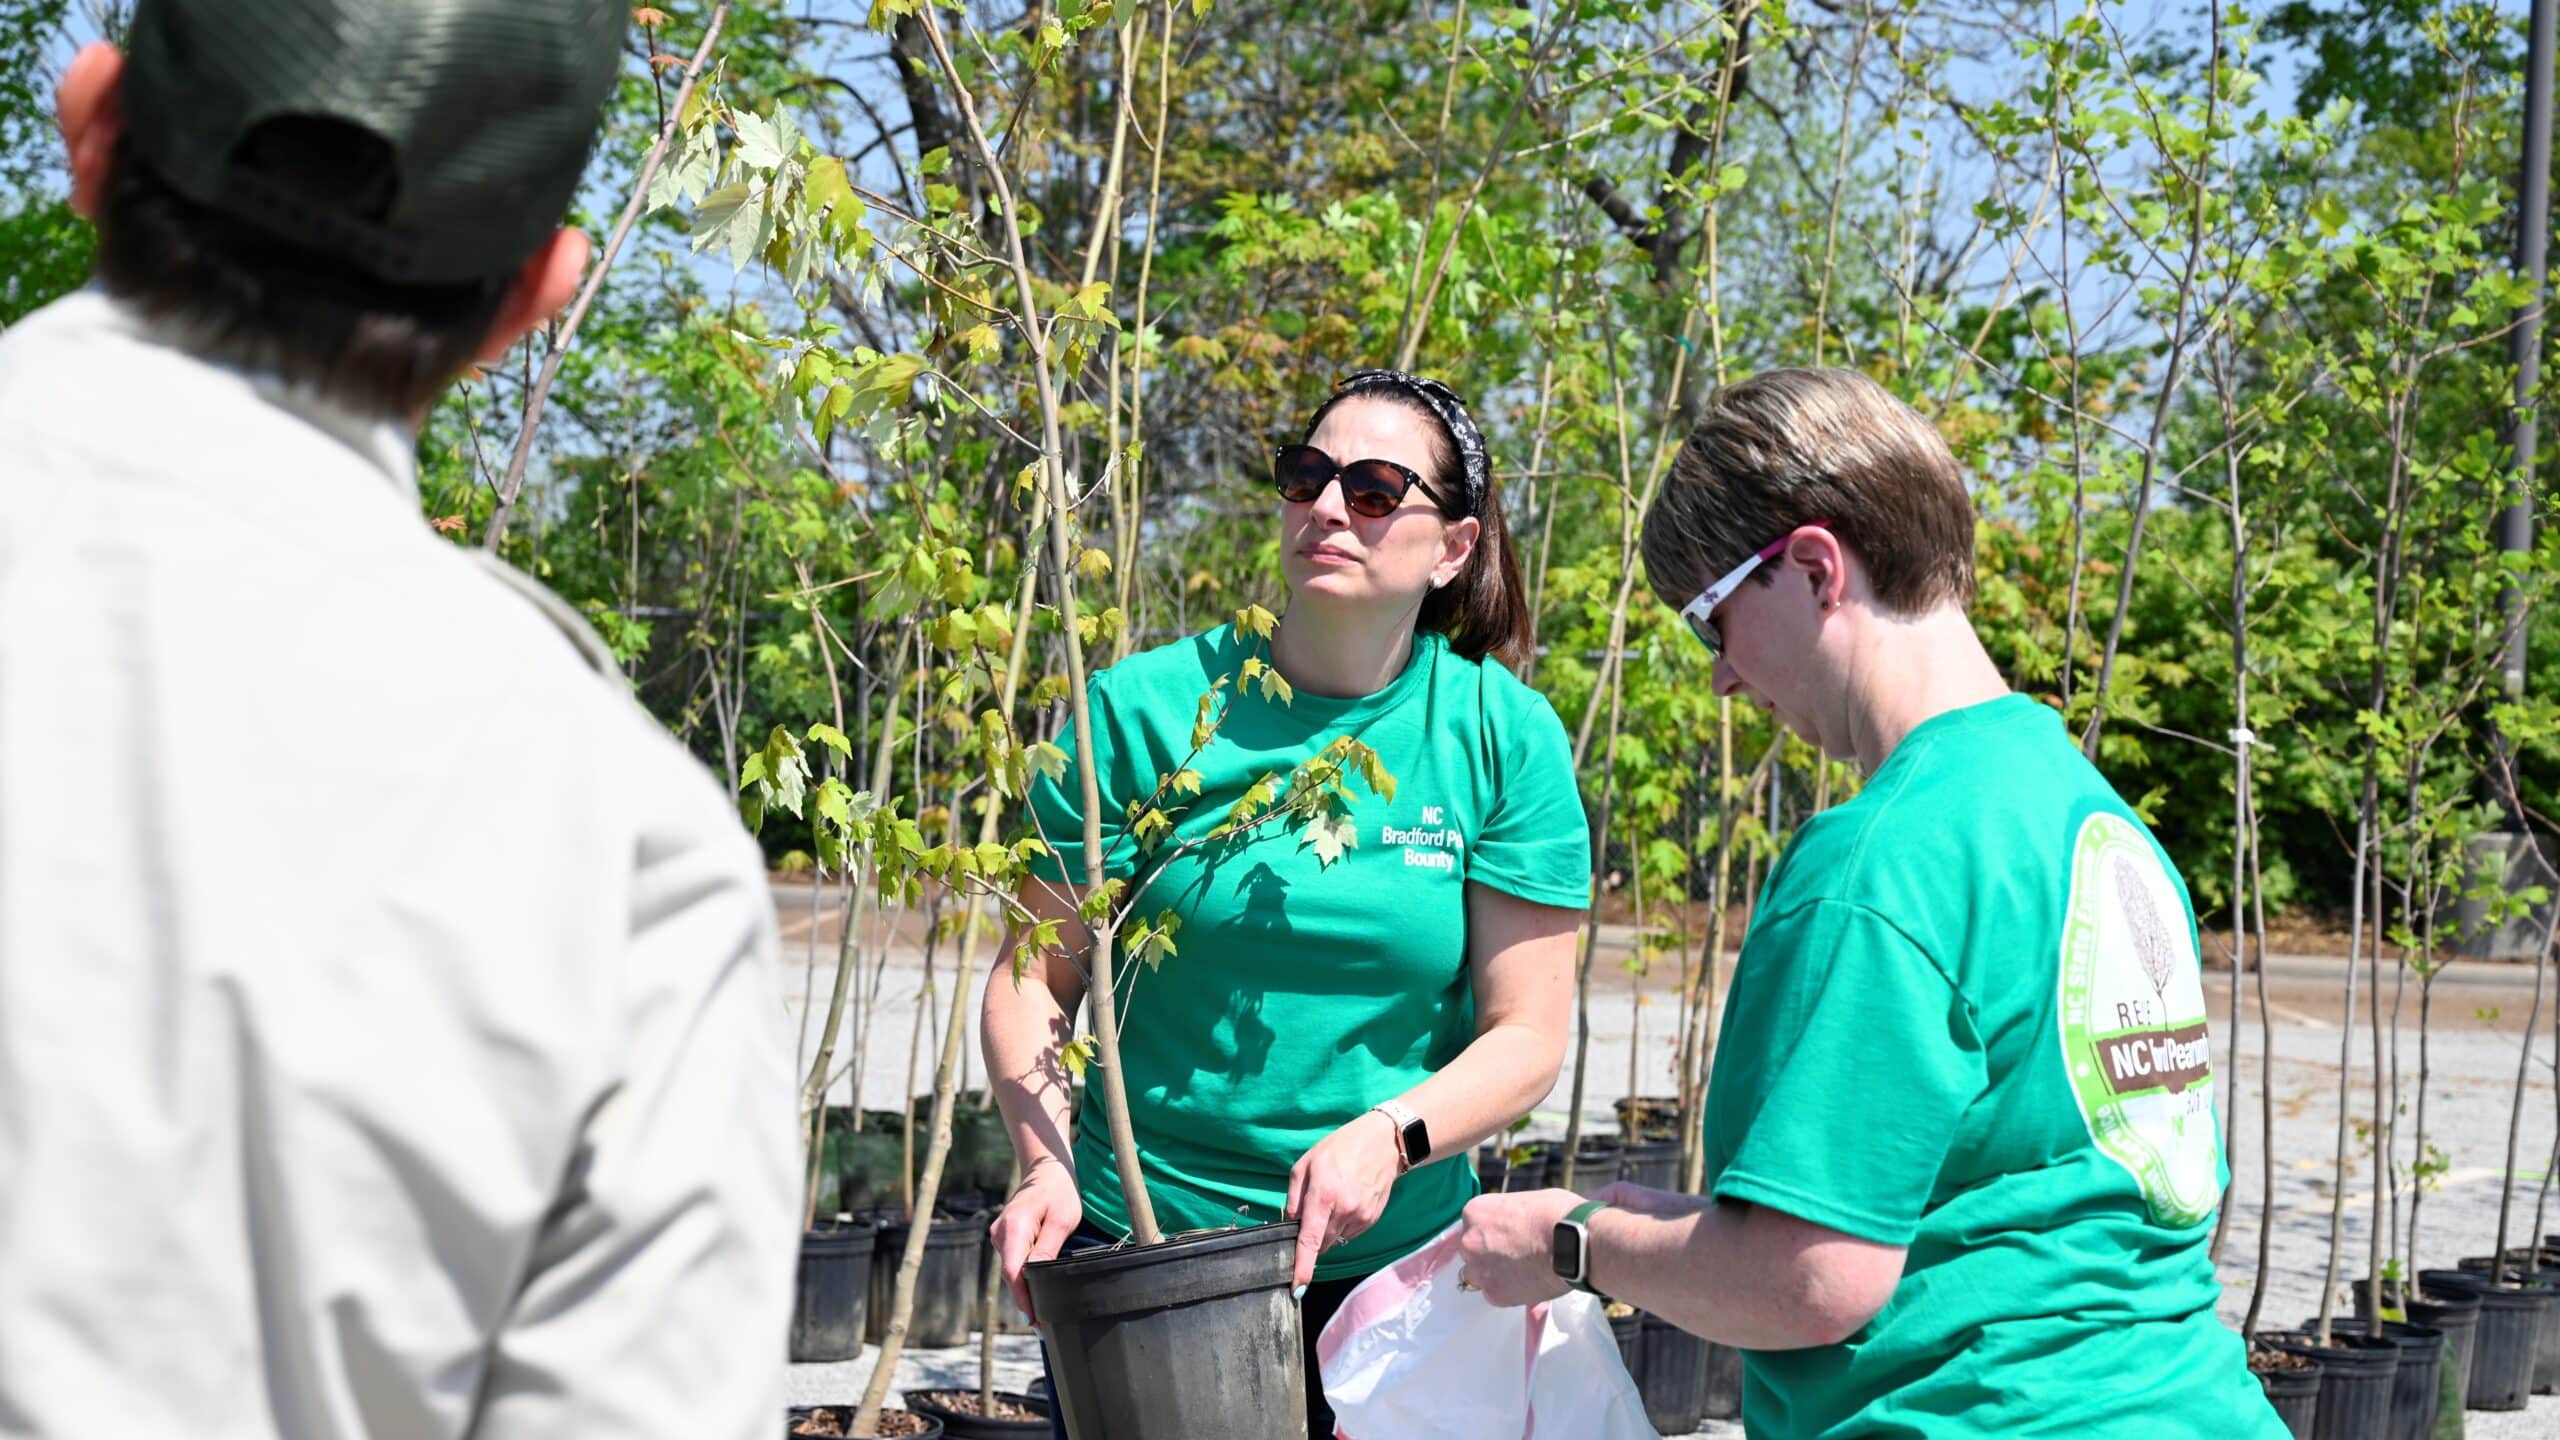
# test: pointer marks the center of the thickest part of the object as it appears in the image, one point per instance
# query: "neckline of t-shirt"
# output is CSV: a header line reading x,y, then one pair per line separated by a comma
x,y
1335,709
1999,709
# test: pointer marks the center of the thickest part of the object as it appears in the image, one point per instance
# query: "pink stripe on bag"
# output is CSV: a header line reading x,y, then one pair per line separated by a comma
x,y
1383,1295
1529,1363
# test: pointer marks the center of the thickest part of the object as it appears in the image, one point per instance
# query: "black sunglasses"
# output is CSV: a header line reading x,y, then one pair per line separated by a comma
x,y
1371,488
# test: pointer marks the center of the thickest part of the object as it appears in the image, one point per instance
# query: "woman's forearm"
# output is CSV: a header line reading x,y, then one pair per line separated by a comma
x,y
1742,1275
1503,1071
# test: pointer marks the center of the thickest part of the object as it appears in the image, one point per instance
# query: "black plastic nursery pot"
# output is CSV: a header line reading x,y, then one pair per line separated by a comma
x,y
2356,1378
1529,1166
828,1316
1650,1117
2511,1318
1595,1167
2293,1389
1651,1163
1493,1166
1195,1337
2413,1385
1628,1330
838,1420
1673,1377
2546,1350
957,1410
946,1307
2454,1310
1724,1383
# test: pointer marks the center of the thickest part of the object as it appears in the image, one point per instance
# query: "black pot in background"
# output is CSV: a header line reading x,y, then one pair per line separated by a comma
x,y
1651,1163
2546,1349
1673,1377
2454,1310
1191,1338
1628,1329
1724,1383
791,1424
2356,1377
2413,1385
827,1316
946,1307
1531,1166
1650,1117
958,1425
1595,1166
2295,1394
1493,1166
2517,1259
2510,1321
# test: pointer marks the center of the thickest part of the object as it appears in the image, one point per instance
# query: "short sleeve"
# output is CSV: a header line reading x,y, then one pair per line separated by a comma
x,y
1058,805
1535,841
1846,1060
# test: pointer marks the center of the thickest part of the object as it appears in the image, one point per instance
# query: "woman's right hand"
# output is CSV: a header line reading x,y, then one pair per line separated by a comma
x,y
1043,1211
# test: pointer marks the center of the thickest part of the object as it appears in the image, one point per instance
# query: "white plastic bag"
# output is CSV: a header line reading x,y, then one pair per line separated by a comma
x,y
1410,1356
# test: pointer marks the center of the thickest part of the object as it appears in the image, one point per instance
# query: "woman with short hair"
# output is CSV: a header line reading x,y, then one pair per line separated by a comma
x,y
1961,1151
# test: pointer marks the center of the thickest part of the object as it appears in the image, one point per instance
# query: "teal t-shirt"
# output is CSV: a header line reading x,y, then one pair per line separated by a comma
x,y
1302,993
1969,1021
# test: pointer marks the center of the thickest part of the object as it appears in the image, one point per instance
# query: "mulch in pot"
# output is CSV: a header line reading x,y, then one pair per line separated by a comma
x,y
837,1420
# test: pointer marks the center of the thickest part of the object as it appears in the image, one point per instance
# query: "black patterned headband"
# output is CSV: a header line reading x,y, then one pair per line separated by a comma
x,y
1443,402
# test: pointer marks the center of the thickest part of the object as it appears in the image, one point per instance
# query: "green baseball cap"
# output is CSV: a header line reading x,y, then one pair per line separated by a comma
x,y
489,108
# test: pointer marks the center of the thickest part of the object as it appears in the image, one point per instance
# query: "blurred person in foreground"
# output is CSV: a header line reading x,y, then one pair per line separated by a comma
x,y
1962,1157
390,1041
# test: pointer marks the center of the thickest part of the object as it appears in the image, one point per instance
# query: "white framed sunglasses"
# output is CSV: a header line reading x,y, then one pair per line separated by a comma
x,y
1701,612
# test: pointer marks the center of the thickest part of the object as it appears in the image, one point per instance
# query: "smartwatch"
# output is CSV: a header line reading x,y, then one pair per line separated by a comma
x,y
1572,1247
1413,1138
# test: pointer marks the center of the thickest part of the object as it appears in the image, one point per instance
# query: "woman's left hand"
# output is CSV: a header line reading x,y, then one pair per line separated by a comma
x,y
1340,1187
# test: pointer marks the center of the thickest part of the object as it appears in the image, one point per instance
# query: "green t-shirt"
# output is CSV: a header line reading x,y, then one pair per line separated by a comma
x,y
1301,994
1969,1021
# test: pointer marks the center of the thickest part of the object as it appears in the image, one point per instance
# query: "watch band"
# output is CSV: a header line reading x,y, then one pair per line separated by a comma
x,y
1413,1138
1577,1222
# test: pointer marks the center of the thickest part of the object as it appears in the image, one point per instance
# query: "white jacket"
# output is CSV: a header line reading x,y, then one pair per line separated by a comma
x,y
391,1038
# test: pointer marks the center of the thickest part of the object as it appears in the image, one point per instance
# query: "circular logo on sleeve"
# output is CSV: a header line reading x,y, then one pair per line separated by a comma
x,y
2133,1022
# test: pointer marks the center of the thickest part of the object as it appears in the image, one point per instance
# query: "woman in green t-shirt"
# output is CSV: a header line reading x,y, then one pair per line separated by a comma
x,y
1350,1004
1961,1159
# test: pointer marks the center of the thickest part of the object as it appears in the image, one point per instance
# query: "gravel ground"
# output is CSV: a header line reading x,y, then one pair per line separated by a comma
x,y
2472,1055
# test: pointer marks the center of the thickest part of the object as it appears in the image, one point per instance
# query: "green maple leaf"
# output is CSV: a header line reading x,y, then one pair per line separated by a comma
x,y
1331,835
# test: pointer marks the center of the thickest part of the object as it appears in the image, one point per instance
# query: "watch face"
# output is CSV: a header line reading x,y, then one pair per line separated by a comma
x,y
1417,1142
1567,1258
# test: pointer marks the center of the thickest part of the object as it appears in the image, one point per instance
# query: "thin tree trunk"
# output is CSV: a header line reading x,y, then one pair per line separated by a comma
x,y
2179,335
2524,1069
1591,932
513,485
2346,1067
2267,1060
954,1044
1106,1018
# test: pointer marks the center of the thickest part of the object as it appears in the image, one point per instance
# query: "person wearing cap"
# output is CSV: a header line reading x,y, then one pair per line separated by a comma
x,y
390,1037
1336,1033
1962,1158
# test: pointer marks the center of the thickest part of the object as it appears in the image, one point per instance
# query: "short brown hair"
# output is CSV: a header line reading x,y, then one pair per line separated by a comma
x,y
1485,610
1788,447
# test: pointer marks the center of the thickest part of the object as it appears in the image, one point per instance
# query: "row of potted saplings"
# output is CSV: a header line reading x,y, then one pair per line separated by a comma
x,y
2466,1338
849,1264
